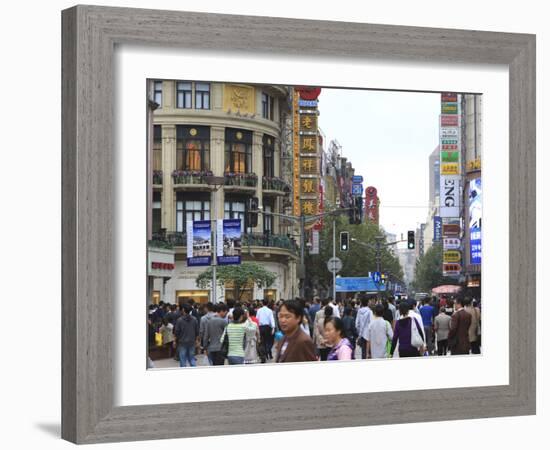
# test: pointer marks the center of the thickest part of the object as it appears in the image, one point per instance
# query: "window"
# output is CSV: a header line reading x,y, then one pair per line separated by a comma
x,y
157,95
157,147
267,106
192,148
202,96
268,151
156,225
235,209
191,207
183,94
268,218
238,151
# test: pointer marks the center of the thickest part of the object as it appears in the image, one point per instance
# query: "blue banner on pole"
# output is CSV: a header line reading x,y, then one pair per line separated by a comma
x,y
475,221
199,243
229,242
356,189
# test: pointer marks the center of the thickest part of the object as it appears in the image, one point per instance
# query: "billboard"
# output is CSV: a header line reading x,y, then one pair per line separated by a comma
x,y
199,243
475,220
358,284
449,195
228,245
449,120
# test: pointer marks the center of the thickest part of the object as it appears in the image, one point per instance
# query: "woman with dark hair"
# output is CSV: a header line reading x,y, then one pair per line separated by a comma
x,y
341,348
408,333
235,331
295,346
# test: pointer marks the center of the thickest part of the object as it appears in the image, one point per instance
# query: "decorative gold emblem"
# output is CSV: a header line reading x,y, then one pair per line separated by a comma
x,y
239,135
193,131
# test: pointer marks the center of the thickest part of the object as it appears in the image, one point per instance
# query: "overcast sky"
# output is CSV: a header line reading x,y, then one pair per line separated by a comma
x,y
388,137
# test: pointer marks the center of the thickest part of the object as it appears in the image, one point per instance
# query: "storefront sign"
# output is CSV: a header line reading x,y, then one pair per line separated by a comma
x,y
449,157
473,165
449,194
450,169
371,205
451,256
356,189
451,269
449,133
449,97
449,108
314,243
228,245
449,120
308,103
199,243
438,229
451,230
475,220
451,243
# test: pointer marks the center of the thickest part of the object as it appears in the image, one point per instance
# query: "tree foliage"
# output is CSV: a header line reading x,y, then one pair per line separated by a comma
x,y
239,275
428,272
357,261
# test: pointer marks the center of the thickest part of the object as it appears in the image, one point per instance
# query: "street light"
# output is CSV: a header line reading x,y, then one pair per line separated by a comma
x,y
215,183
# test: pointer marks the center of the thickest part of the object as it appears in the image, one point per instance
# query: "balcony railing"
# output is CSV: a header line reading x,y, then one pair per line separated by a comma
x,y
179,239
241,179
275,184
269,240
190,176
157,176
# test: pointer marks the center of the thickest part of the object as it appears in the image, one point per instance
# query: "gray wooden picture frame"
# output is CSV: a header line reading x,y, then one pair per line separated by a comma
x,y
90,34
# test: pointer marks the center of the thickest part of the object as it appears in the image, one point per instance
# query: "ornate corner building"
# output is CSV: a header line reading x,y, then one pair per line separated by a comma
x,y
241,133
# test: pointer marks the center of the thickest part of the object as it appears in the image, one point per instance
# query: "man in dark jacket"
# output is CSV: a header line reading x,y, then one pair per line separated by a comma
x,y
459,339
187,336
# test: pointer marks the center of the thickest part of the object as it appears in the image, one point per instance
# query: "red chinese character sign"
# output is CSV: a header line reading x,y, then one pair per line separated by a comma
x,y
371,205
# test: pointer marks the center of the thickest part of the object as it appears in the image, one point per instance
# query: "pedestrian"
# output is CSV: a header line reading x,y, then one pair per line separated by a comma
x,y
350,332
408,334
252,337
267,329
313,309
186,332
167,332
427,313
214,330
319,329
209,313
235,332
362,321
442,324
387,312
393,309
473,331
295,346
459,338
341,348
334,306
379,332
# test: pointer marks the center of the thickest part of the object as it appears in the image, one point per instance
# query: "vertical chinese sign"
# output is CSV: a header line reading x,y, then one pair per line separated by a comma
x,y
306,178
371,205
450,178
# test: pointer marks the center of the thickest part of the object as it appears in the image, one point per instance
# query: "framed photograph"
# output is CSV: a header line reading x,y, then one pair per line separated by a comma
x,y
232,200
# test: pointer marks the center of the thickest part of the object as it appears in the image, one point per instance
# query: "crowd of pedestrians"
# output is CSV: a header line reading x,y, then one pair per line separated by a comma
x,y
317,330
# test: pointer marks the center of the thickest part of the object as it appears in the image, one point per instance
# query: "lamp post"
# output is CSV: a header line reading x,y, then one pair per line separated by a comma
x,y
215,183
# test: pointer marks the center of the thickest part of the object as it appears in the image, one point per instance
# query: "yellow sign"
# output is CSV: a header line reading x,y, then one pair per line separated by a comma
x,y
308,144
309,166
474,165
309,207
450,169
309,186
308,122
451,256
296,166
237,97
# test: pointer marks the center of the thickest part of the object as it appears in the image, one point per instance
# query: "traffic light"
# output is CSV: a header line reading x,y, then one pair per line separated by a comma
x,y
410,240
252,217
344,241
356,211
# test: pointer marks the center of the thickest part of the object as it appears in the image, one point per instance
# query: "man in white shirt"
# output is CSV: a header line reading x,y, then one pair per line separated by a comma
x,y
335,311
267,328
362,321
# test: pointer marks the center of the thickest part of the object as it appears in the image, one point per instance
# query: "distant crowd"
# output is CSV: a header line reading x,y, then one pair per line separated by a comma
x,y
299,330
